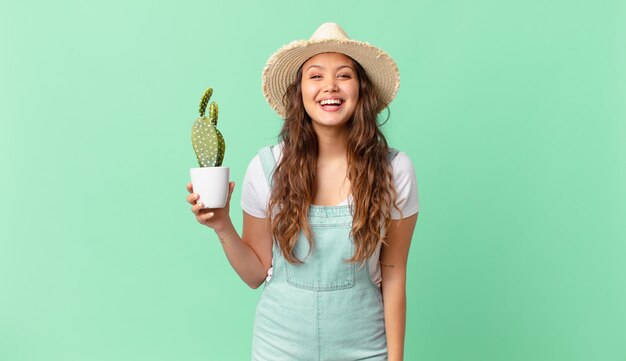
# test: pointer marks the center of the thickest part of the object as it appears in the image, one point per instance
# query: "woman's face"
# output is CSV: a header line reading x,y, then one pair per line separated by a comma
x,y
330,89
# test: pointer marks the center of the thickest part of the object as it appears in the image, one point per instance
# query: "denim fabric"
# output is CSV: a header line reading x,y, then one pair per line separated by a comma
x,y
324,308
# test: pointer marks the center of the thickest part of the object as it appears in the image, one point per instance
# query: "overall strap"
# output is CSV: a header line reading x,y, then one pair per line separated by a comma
x,y
391,153
267,162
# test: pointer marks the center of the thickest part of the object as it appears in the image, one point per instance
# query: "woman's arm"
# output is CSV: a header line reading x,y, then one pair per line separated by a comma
x,y
393,259
249,255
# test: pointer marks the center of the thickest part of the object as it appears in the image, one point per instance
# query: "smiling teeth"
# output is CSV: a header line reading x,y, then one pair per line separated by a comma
x,y
330,101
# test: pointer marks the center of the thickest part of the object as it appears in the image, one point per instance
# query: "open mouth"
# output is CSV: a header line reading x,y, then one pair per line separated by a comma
x,y
331,104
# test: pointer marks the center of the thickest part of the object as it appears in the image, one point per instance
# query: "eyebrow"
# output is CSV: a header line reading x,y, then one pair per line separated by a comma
x,y
338,68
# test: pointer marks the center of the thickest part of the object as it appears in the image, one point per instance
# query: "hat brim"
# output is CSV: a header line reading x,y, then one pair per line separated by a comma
x,y
281,68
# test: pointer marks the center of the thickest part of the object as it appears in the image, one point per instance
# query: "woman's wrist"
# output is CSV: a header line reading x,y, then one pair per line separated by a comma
x,y
223,230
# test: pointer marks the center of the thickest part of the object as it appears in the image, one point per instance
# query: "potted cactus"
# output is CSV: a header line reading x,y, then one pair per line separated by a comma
x,y
210,179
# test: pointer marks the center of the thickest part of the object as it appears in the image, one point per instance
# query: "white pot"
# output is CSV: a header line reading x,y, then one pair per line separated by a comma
x,y
211,183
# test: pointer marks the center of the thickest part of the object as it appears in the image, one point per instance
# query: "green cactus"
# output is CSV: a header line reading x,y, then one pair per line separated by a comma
x,y
208,142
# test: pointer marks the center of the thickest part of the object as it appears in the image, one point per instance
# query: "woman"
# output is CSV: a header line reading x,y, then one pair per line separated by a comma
x,y
329,212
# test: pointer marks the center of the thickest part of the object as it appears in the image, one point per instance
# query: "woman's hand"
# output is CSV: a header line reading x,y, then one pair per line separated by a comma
x,y
216,218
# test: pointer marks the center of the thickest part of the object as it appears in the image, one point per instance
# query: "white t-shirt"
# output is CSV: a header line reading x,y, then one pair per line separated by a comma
x,y
255,195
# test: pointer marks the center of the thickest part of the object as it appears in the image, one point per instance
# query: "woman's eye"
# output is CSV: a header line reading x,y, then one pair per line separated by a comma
x,y
315,76
344,76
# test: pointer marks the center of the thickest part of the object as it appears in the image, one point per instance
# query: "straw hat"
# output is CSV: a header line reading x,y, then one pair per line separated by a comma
x,y
282,66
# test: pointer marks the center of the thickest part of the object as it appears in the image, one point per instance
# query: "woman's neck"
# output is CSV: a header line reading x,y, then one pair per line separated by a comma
x,y
332,143
332,184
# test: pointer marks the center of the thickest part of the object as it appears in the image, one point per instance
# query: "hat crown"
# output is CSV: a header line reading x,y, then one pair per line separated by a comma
x,y
329,31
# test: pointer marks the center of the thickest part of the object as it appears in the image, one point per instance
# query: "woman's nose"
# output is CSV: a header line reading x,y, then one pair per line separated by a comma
x,y
330,84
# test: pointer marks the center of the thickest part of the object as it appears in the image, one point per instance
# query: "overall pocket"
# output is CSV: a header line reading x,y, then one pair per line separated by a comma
x,y
325,267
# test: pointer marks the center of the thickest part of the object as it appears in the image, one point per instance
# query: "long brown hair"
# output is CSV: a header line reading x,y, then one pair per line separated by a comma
x,y
369,172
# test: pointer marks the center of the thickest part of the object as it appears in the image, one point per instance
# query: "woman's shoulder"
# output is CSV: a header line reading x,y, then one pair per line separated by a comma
x,y
405,184
257,163
400,161
276,149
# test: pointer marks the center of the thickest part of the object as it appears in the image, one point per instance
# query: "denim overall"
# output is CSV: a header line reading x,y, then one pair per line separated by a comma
x,y
325,308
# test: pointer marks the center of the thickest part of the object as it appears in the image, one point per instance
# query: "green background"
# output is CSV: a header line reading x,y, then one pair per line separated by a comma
x,y
513,113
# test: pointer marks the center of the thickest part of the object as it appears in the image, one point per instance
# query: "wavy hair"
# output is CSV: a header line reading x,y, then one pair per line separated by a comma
x,y
369,172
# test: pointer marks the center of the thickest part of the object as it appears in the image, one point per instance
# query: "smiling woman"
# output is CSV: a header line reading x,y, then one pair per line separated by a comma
x,y
329,212
330,89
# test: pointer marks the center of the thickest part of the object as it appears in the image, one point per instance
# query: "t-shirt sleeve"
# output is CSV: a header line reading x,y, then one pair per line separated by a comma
x,y
406,187
255,192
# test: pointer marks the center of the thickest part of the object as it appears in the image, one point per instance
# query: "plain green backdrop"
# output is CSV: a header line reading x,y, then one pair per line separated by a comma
x,y
513,113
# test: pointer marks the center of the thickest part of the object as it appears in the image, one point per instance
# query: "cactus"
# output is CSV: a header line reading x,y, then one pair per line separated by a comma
x,y
208,142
